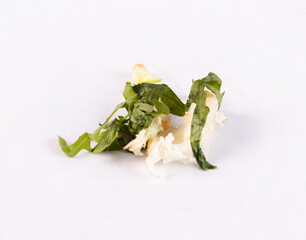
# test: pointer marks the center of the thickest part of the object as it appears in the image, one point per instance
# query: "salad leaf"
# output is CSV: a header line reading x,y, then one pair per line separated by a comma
x,y
129,93
198,96
106,138
120,105
122,139
145,107
161,93
140,116
213,83
114,138
83,142
160,107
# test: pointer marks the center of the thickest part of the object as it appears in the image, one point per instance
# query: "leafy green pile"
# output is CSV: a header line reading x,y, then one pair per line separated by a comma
x,y
144,102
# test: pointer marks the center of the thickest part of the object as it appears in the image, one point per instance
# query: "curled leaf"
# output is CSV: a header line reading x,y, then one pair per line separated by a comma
x,y
83,142
198,96
120,105
213,83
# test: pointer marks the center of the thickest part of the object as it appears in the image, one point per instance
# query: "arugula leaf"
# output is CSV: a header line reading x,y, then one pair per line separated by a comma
x,y
129,93
120,105
145,107
160,107
96,135
83,142
140,116
198,96
124,135
213,83
122,139
106,138
161,93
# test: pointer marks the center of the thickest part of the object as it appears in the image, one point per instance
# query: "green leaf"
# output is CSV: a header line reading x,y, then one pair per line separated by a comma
x,y
83,142
106,138
161,93
144,107
160,107
114,138
129,93
96,135
139,120
213,83
198,96
120,105
123,139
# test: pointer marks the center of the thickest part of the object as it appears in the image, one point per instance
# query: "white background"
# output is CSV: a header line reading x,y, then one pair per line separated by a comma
x,y
63,65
